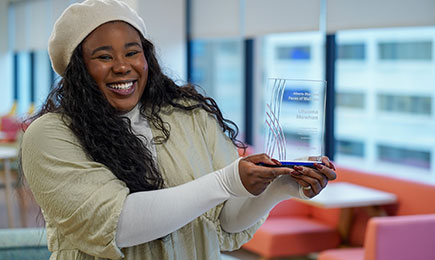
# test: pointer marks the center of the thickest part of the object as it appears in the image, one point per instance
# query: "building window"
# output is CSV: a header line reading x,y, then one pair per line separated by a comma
x,y
405,104
350,100
404,156
421,50
350,147
351,51
386,102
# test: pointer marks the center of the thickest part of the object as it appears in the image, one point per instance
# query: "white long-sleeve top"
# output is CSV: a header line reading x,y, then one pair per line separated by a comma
x,y
177,206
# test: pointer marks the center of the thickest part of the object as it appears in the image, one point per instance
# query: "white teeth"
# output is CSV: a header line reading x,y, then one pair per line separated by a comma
x,y
122,86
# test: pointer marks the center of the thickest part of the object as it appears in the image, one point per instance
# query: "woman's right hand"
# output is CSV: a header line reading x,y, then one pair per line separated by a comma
x,y
256,178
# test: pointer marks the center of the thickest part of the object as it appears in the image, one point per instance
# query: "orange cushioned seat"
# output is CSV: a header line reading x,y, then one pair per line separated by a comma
x,y
291,236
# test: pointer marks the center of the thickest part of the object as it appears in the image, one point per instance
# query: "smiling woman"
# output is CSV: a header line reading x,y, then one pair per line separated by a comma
x,y
125,163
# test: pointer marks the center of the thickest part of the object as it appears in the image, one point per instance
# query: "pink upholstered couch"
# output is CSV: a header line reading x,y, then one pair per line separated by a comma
x,y
396,237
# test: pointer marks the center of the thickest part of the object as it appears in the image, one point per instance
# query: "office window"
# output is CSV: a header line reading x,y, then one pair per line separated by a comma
x,y
350,100
217,67
43,77
418,50
405,104
391,96
7,88
23,82
351,51
34,78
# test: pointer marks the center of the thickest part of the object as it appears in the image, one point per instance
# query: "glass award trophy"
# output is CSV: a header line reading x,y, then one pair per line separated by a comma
x,y
295,114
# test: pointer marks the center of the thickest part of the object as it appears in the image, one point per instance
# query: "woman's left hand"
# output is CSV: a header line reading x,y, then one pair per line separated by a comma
x,y
315,180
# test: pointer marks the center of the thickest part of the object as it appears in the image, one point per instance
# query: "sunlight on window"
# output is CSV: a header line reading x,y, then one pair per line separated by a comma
x,y
385,102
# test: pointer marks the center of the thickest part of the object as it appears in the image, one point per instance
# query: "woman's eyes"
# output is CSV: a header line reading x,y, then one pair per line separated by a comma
x,y
106,57
131,53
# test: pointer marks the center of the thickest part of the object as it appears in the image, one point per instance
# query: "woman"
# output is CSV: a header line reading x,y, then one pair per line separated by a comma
x,y
124,163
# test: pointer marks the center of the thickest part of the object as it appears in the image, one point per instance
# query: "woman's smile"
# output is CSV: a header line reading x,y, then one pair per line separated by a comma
x,y
123,88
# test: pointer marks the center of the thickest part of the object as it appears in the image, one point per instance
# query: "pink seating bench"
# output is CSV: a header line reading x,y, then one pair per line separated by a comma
x,y
395,237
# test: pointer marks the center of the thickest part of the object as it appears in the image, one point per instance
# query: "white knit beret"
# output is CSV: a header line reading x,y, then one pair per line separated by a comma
x,y
79,20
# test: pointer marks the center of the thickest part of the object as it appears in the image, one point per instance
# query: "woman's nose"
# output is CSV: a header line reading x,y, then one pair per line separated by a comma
x,y
120,66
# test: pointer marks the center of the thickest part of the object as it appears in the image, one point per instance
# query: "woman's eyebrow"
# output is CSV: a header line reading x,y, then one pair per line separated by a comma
x,y
108,48
131,44
102,48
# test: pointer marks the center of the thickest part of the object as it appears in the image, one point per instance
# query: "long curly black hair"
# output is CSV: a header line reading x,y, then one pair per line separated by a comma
x,y
107,136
